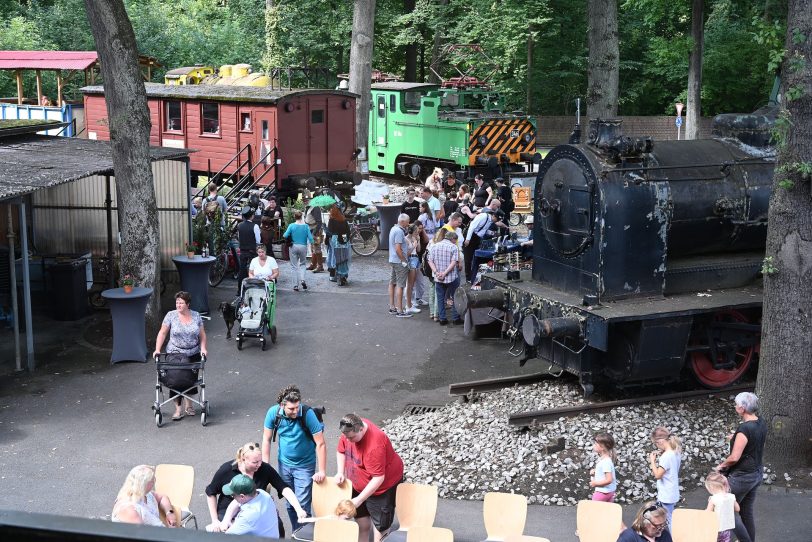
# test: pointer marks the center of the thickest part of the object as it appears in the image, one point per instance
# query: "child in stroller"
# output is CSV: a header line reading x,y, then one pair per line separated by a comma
x,y
257,311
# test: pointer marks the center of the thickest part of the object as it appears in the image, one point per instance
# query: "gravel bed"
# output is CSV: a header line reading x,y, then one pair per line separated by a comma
x,y
468,449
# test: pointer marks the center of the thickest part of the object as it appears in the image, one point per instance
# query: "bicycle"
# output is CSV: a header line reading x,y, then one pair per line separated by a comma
x,y
364,238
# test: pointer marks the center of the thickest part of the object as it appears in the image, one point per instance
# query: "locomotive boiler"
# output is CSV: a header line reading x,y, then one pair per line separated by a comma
x,y
647,257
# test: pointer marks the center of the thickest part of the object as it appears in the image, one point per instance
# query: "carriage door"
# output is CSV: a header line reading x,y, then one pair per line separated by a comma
x,y
266,140
380,121
317,134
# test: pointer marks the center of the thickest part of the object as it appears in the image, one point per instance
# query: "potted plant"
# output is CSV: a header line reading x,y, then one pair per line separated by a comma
x,y
191,249
127,283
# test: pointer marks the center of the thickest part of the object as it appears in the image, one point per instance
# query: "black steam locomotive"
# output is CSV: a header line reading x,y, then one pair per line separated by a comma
x,y
647,257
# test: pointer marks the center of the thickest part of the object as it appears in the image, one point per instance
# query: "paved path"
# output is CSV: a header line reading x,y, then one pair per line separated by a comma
x,y
70,432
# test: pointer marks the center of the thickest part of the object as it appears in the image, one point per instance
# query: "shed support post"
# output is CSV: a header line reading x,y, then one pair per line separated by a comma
x,y
19,76
39,87
29,330
108,207
13,275
59,88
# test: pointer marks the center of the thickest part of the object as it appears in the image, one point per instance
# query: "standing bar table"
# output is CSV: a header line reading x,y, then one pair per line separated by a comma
x,y
127,310
389,217
194,278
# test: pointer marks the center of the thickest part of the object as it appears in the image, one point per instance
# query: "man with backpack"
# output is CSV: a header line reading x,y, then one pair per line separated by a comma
x,y
302,450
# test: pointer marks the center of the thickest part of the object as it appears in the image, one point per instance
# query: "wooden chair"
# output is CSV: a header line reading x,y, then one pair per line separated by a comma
x,y
421,533
525,538
598,521
415,505
505,514
177,483
335,530
694,525
326,497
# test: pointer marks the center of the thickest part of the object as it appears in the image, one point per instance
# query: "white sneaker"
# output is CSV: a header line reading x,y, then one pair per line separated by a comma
x,y
421,303
413,310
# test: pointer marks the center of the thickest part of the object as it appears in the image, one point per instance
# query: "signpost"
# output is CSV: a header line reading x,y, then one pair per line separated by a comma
x,y
679,106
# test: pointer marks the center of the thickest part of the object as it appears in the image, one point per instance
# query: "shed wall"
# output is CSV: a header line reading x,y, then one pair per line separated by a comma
x,y
72,217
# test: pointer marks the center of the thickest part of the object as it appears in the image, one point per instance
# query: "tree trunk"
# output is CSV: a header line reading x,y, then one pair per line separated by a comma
x,y
785,370
363,27
411,50
436,47
604,58
694,108
529,104
129,138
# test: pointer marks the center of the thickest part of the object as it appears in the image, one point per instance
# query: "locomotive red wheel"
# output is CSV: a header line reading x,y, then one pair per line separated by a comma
x,y
701,364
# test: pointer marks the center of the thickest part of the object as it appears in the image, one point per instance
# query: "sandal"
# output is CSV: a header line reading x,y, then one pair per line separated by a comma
x,y
191,412
176,417
295,288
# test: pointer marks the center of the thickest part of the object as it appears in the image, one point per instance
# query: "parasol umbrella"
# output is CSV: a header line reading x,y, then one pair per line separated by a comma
x,y
323,201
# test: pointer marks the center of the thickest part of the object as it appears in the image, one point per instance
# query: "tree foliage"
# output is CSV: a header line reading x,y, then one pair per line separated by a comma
x,y
742,43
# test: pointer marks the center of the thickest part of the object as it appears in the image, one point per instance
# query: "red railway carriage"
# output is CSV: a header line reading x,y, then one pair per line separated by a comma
x,y
308,134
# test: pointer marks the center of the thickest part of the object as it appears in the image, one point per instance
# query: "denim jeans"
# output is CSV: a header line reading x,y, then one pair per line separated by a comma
x,y
446,291
300,480
744,487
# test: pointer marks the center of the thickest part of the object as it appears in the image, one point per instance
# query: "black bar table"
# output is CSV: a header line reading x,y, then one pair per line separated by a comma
x,y
194,278
127,311
388,212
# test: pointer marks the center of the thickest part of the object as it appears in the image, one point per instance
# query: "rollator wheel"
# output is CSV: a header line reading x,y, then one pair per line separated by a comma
x,y
203,419
158,419
206,408
273,334
239,344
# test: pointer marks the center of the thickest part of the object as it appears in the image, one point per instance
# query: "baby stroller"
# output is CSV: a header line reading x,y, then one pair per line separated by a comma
x,y
178,374
257,311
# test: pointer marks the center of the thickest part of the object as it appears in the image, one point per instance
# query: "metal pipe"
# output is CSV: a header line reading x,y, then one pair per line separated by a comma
x,y
29,330
108,208
466,299
13,275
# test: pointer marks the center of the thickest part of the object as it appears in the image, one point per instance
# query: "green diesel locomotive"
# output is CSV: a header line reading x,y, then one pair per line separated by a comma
x,y
460,126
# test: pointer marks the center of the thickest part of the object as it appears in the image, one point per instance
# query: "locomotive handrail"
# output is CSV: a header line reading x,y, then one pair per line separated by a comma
x,y
747,162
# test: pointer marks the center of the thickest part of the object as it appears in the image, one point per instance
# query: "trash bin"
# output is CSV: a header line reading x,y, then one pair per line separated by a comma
x,y
68,292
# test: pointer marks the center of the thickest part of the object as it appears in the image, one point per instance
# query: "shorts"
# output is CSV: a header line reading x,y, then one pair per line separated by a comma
x,y
379,508
399,275
603,497
414,262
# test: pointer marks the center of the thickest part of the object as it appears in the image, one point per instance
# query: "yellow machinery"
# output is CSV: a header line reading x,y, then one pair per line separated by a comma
x,y
232,75
192,75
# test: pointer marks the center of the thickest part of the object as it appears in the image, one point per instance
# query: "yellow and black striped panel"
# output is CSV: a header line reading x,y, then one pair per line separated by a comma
x,y
504,136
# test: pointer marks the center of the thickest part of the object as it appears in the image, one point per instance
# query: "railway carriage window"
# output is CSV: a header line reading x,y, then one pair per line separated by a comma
x,y
264,129
245,122
317,116
392,103
211,118
381,107
173,117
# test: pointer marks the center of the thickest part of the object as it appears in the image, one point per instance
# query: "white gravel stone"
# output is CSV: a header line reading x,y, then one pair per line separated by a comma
x,y
467,449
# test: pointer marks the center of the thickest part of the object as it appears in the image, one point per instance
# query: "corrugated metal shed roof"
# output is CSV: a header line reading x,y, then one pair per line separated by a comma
x,y
32,162
224,92
47,60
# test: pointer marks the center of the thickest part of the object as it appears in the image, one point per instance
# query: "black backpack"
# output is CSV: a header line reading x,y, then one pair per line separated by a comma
x,y
319,411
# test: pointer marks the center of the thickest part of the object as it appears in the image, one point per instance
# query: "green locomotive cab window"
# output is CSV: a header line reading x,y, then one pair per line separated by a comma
x,y
392,103
211,118
317,116
381,107
173,117
411,101
428,103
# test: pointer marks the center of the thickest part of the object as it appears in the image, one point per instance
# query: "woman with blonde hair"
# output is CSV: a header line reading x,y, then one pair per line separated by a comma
x,y
664,464
248,462
648,526
138,503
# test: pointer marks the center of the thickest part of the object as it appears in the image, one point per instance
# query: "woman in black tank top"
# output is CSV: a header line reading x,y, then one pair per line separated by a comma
x,y
482,192
743,466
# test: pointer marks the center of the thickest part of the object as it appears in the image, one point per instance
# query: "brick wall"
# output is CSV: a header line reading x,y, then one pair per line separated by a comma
x,y
556,130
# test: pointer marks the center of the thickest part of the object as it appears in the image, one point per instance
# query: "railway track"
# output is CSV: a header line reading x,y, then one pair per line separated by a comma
x,y
466,390
539,417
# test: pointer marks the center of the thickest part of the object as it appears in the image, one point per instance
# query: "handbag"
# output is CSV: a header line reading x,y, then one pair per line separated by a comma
x,y
425,268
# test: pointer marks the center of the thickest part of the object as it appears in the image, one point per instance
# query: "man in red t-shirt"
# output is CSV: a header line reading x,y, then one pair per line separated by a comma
x,y
366,458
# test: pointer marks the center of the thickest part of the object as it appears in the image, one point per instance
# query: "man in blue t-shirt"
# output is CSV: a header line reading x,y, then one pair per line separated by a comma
x,y
300,451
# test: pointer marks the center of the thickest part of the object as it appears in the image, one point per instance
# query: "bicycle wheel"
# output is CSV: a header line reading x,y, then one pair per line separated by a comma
x,y
515,219
217,271
364,242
